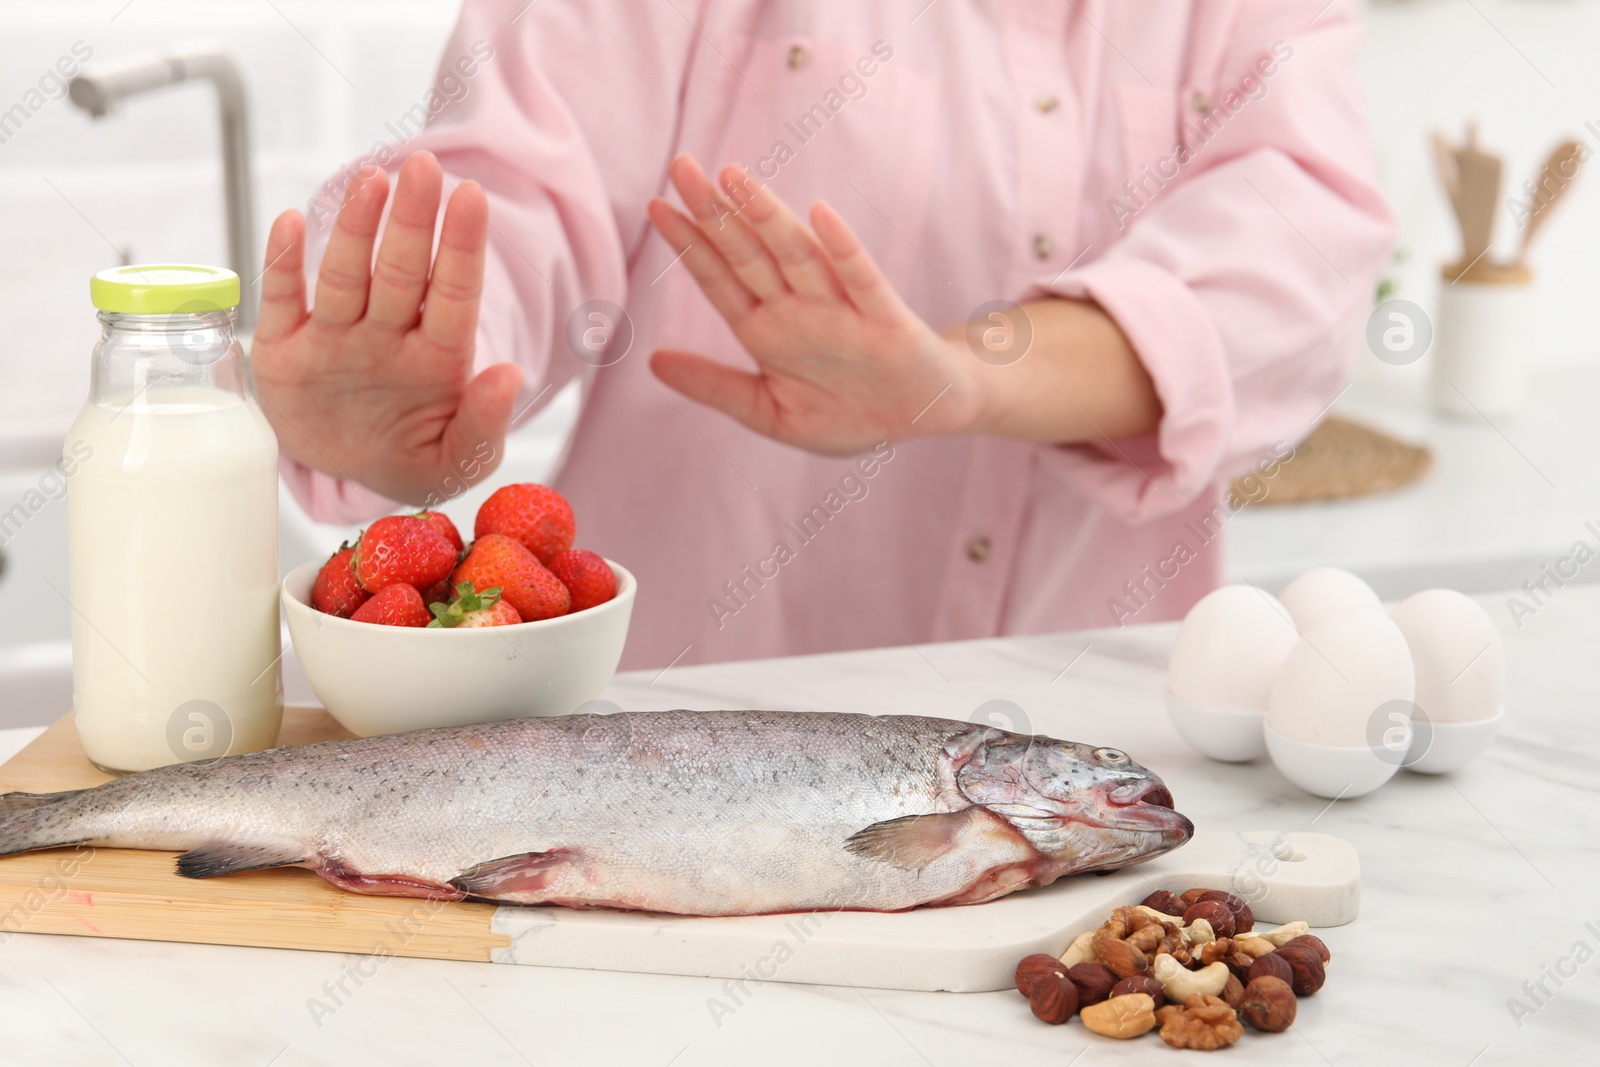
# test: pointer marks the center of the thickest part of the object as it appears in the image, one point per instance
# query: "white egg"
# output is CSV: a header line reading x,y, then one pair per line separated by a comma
x,y
1338,683
1229,647
1323,592
1461,667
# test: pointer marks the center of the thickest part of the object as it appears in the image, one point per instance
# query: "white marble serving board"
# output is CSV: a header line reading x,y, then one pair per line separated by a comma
x,y
1283,876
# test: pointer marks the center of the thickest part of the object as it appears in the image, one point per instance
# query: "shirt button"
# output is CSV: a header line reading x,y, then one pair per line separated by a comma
x,y
1045,103
797,57
978,549
1200,102
1042,246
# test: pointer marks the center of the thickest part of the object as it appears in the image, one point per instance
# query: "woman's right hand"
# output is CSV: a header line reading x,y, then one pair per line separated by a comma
x,y
374,384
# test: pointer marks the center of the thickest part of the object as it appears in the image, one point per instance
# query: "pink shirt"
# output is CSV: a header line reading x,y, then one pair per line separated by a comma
x,y
1199,168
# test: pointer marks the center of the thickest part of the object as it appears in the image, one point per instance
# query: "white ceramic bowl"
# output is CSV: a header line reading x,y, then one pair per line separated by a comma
x,y
1450,746
389,679
1329,770
1229,736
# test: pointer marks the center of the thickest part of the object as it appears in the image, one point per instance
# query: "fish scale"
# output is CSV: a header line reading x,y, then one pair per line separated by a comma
x,y
698,813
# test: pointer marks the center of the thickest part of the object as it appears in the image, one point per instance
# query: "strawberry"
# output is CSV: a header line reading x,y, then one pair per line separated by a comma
x,y
540,518
447,529
336,590
402,548
394,605
497,560
471,608
437,593
587,576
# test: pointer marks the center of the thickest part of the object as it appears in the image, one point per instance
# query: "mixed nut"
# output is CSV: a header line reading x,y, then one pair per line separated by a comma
x,y
1190,966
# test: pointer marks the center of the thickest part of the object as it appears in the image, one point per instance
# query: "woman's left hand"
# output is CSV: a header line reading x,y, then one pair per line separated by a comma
x,y
843,364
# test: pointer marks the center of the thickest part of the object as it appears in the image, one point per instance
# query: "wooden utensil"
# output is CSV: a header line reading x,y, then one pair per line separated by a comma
x,y
1557,173
1471,177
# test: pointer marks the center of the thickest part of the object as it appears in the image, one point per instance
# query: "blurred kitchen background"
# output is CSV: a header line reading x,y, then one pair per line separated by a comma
x,y
1501,498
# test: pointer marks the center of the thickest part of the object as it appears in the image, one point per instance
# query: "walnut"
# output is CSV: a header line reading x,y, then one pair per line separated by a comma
x,y
1138,918
1148,938
1174,945
1212,951
1115,927
1202,1023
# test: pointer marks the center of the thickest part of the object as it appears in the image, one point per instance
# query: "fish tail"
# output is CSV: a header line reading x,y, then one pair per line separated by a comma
x,y
39,820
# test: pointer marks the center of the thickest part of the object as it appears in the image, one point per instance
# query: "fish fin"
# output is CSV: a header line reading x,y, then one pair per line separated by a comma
x,y
912,841
526,872
232,857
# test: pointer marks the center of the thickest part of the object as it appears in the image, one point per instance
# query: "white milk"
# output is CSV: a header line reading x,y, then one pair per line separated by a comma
x,y
173,526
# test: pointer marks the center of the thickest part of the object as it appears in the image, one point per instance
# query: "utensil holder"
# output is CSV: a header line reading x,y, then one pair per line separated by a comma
x,y
1485,336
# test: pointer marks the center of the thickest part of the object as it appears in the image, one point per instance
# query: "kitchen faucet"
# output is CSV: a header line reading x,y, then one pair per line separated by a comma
x,y
100,88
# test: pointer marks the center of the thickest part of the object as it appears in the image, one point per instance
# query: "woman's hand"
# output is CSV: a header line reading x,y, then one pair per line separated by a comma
x,y
375,383
843,363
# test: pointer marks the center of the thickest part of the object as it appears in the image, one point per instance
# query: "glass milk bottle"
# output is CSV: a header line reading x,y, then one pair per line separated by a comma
x,y
172,529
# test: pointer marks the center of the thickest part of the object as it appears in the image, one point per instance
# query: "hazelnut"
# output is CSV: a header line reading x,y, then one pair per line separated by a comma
x,y
1094,982
1121,958
1165,902
1232,991
1121,1017
1054,999
1310,941
1190,896
1037,966
1141,983
1243,918
1307,967
1213,912
1270,966
1268,1004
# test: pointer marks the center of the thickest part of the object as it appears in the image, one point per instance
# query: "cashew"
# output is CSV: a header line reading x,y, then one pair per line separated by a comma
x,y
1175,920
1080,951
1199,933
1252,946
1180,983
1285,933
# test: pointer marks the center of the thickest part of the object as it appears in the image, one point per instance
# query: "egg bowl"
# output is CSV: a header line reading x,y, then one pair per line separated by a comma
x,y
1229,736
1332,771
388,679
1442,747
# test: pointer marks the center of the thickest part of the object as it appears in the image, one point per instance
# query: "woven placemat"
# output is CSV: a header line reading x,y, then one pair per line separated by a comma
x,y
1339,460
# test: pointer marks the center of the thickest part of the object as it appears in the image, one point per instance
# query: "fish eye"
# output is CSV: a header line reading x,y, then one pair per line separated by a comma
x,y
1110,755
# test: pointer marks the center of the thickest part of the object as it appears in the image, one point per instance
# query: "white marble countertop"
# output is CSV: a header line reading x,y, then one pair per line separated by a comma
x,y
1473,885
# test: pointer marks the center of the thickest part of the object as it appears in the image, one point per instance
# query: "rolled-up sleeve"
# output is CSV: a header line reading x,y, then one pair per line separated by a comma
x,y
566,208
1244,282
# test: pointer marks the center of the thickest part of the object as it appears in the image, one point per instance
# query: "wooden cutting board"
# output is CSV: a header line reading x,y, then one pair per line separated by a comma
x,y
104,892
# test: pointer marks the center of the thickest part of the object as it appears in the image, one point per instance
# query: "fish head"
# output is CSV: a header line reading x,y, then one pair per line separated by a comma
x,y
1087,808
